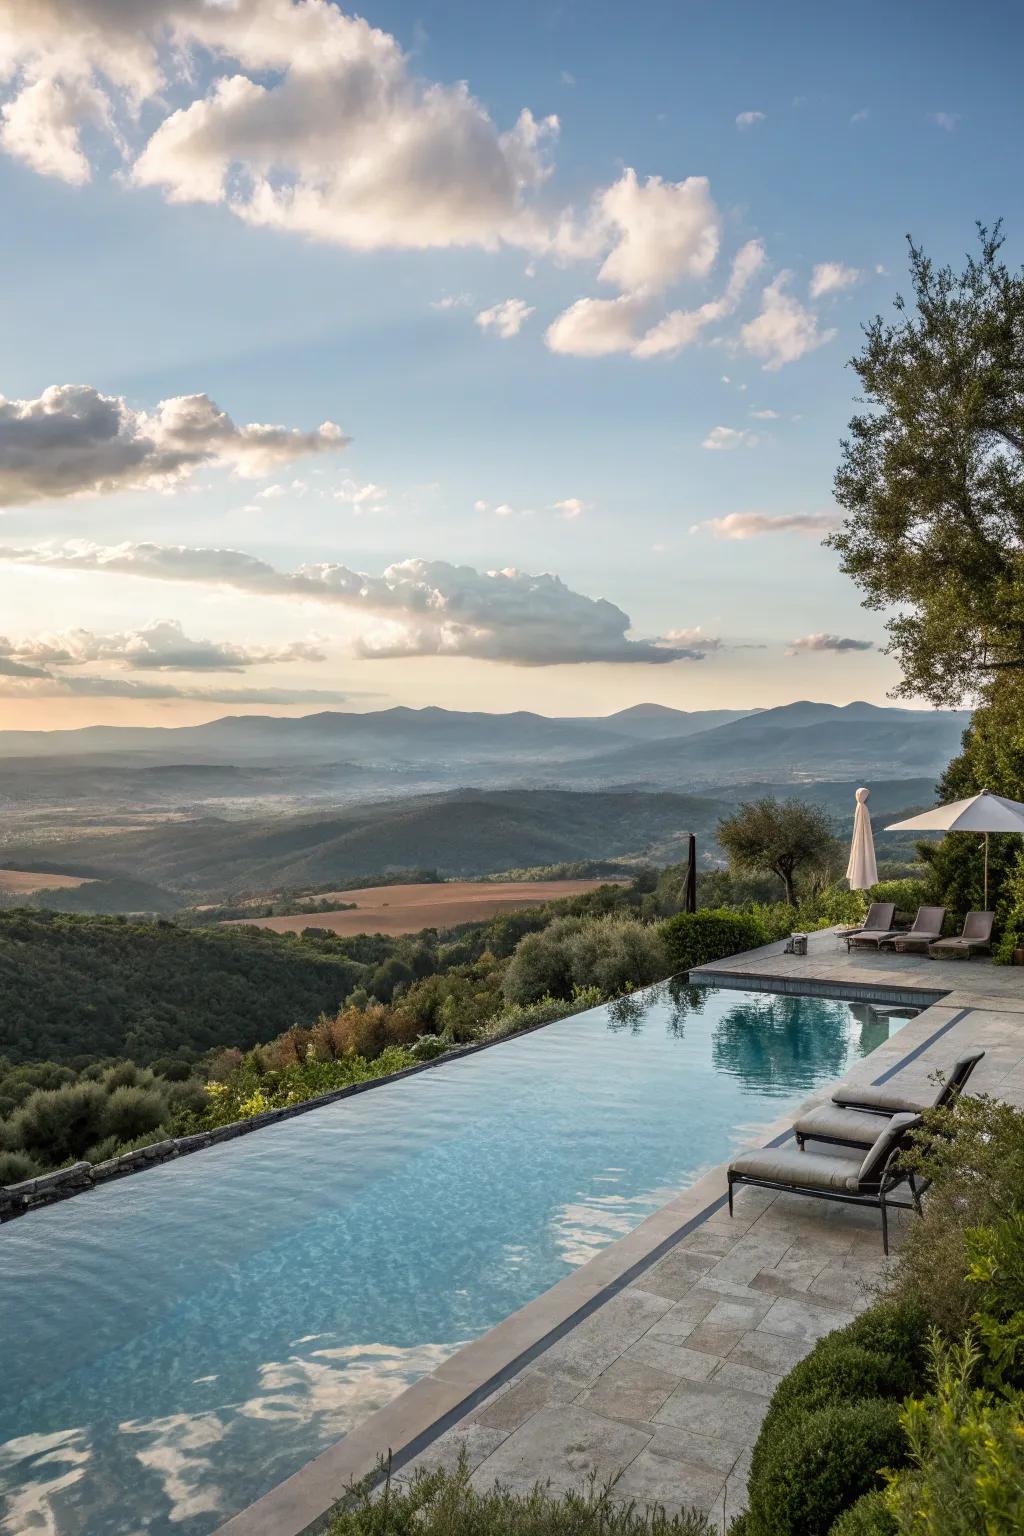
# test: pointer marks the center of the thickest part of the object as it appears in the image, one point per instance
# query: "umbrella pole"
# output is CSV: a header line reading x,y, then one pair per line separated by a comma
x,y
986,871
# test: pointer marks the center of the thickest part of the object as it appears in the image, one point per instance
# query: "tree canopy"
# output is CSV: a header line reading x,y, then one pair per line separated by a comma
x,y
932,474
777,837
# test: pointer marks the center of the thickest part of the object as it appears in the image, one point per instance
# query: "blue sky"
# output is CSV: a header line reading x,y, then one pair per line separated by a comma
x,y
140,262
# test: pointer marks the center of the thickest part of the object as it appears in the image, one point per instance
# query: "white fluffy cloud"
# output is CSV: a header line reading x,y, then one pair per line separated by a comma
x,y
694,641
832,277
835,643
62,686
572,507
599,327
72,440
724,439
784,330
414,608
661,230
749,119
753,525
505,319
161,646
313,122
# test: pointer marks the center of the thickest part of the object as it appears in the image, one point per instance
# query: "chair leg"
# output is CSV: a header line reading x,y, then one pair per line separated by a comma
x,y
885,1228
730,1194
799,1140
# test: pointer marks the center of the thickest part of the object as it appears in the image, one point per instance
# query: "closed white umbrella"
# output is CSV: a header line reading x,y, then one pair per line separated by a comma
x,y
862,871
980,813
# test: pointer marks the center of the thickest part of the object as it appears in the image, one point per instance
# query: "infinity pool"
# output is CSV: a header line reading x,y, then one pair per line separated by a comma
x,y
176,1343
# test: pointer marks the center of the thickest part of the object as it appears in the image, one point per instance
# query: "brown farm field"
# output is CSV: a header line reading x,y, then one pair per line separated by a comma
x,y
19,882
398,909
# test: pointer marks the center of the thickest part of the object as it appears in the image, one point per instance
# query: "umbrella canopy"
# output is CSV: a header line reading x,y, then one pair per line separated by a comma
x,y
980,813
862,871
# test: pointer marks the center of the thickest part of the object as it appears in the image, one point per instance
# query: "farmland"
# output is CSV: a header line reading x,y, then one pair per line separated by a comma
x,y
20,882
398,909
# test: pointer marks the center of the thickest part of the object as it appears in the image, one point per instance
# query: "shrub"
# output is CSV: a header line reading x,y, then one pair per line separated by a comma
x,y
820,1463
974,1156
132,1112
614,953
15,1166
697,938
444,1504
966,1473
908,895
870,1516
59,1124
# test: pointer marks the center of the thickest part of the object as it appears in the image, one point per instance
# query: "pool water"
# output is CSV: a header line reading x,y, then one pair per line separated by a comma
x,y
176,1343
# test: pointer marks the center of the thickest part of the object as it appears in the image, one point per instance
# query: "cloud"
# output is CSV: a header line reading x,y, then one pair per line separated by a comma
x,y
74,441
452,301
946,120
749,119
505,318
784,331
599,327
413,608
861,116
723,439
571,507
361,498
312,120
662,231
836,643
766,415
832,277
161,646
596,327
696,643
752,525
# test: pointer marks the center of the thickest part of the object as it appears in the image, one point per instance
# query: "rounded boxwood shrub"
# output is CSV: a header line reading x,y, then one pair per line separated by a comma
x,y
820,1463
697,938
868,1517
895,1328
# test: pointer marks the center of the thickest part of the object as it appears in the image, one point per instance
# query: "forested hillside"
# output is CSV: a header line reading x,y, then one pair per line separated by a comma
x,y
75,986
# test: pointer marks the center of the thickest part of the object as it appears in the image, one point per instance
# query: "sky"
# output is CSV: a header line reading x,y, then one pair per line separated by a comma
x,y
492,357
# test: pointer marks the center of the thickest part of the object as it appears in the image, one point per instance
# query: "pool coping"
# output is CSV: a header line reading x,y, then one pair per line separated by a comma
x,y
400,1430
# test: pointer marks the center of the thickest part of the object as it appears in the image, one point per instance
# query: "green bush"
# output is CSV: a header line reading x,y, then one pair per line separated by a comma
x,y
697,938
870,1516
907,895
15,1166
613,953
820,1463
58,1124
444,1504
132,1112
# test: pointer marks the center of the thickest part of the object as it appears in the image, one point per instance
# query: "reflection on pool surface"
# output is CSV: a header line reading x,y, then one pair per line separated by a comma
x,y
177,1343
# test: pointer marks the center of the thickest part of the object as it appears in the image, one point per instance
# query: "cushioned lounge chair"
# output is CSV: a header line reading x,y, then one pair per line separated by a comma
x,y
826,1176
925,929
977,936
890,1098
859,1127
879,920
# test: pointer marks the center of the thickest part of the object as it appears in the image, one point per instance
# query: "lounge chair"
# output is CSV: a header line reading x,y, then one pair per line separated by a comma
x,y
926,928
827,1176
879,920
859,1127
977,936
890,1098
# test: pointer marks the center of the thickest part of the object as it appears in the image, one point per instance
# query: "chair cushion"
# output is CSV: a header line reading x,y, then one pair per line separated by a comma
x,y
895,1132
890,1098
855,1127
871,935
799,1170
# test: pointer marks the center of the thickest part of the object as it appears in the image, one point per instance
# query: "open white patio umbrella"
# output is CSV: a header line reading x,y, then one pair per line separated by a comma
x,y
981,813
862,871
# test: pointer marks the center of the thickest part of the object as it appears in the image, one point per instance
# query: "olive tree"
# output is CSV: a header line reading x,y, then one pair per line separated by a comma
x,y
778,837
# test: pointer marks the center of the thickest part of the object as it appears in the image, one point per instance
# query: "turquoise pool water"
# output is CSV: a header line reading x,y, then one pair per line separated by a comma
x,y
177,1343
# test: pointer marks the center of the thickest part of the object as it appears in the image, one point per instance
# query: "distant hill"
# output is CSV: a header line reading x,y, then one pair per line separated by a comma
x,y
464,833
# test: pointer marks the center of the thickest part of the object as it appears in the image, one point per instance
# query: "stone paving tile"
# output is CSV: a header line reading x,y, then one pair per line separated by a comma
x,y
673,1482
629,1389
726,1324
474,1441
731,1374
563,1446
533,1391
601,1338
802,1319
684,1363
677,1273
684,1315
727,1413
770,1352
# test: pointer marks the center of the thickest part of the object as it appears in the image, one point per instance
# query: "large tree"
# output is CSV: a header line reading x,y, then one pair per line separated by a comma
x,y
932,475
778,837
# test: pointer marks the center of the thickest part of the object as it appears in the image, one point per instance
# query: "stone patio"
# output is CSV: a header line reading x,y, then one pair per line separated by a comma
x,y
653,1364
